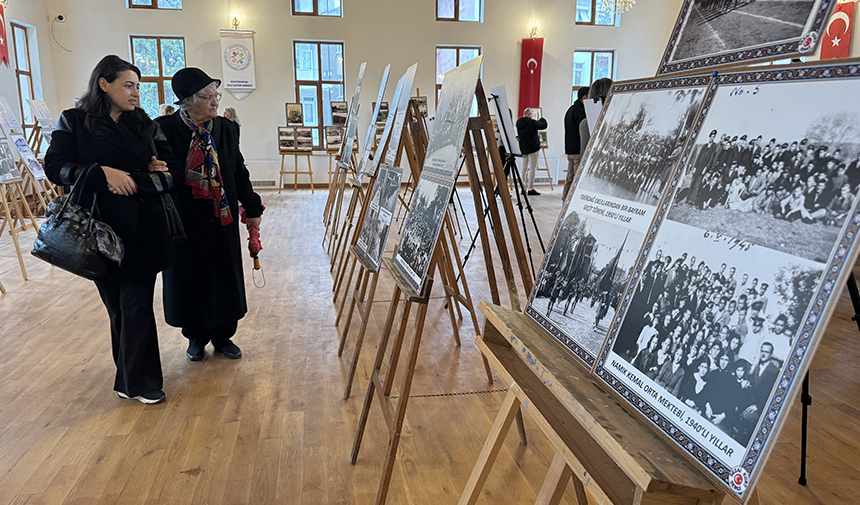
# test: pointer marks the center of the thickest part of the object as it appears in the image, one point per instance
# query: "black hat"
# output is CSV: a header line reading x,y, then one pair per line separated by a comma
x,y
190,80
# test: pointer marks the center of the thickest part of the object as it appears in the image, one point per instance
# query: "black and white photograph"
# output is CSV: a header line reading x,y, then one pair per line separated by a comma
x,y
34,166
339,110
377,135
369,138
304,138
710,325
422,105
781,177
581,281
544,142
401,105
537,113
42,114
382,116
349,140
719,32
286,137
295,114
8,170
436,183
377,223
634,148
333,137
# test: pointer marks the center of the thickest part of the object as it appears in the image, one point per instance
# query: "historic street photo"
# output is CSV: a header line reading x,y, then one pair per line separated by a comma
x,y
715,27
294,114
286,137
635,147
339,111
374,231
710,325
582,278
333,137
304,138
8,170
382,117
422,227
422,105
781,177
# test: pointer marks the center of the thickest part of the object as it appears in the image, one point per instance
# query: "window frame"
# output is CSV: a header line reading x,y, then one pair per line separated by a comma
x,y
456,17
160,80
316,10
458,62
616,19
18,73
318,84
153,5
591,77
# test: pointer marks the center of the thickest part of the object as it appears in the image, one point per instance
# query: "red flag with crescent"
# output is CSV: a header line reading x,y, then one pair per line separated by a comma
x,y
532,62
837,35
4,44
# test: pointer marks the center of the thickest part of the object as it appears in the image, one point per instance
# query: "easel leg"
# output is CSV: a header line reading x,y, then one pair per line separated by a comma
x,y
521,428
491,448
311,173
360,285
360,341
552,490
281,176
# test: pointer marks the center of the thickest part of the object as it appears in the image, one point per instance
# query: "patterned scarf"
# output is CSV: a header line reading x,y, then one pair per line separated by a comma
x,y
202,172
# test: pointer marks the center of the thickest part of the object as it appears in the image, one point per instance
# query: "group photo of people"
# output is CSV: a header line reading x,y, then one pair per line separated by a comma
x,y
422,227
634,150
714,334
374,231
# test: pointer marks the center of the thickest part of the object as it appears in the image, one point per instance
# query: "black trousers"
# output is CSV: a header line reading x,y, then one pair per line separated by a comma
x,y
128,297
218,335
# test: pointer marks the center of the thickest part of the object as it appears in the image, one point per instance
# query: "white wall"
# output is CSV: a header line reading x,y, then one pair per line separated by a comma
x,y
399,32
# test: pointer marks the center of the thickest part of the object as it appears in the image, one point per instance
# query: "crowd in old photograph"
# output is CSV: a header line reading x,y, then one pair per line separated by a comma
x,y
795,181
710,337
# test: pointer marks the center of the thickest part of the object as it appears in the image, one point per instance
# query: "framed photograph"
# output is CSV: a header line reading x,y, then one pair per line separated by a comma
x,y
333,137
8,170
401,104
717,33
742,268
377,222
339,110
295,115
537,113
422,105
543,138
286,138
634,149
382,116
377,136
369,143
304,138
436,183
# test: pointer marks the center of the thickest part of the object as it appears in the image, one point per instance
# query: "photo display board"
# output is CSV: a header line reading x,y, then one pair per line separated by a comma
x,y
371,129
43,115
339,111
295,115
401,99
434,187
333,137
8,170
508,132
377,221
15,132
715,33
742,268
345,151
624,173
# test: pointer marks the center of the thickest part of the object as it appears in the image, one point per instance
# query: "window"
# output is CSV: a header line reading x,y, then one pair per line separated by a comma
x,y
460,10
319,82
23,73
450,57
155,4
158,59
316,7
597,12
588,66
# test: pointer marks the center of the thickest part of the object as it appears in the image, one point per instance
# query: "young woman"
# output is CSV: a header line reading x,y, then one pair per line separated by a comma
x,y
129,164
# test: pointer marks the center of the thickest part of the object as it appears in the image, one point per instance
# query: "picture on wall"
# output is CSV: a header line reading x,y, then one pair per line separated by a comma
x,y
294,114
634,149
377,222
304,138
286,137
734,291
339,110
713,33
333,137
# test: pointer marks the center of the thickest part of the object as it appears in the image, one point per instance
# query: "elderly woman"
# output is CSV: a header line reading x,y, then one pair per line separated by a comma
x,y
204,289
231,114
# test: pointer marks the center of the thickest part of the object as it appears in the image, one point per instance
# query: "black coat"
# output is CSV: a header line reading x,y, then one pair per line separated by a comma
x,y
139,220
205,285
574,115
527,134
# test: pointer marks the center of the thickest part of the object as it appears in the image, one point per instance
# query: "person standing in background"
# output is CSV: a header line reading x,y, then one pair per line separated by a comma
x,y
575,115
527,135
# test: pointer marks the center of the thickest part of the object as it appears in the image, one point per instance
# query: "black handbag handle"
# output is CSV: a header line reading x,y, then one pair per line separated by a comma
x,y
85,175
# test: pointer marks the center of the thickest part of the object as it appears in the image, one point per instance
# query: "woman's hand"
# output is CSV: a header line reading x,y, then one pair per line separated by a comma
x,y
119,182
156,165
254,222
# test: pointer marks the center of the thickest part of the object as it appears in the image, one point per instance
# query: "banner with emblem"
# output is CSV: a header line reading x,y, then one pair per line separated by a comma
x,y
530,69
237,62
4,44
837,35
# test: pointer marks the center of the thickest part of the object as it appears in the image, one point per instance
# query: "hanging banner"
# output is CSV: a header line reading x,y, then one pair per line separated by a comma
x,y
532,62
837,35
4,44
237,62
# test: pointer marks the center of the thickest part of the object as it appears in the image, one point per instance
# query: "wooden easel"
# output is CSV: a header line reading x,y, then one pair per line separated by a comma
x,y
545,166
16,212
334,203
296,172
612,457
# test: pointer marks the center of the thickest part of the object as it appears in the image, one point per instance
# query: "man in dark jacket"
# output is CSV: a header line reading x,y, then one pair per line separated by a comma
x,y
574,115
527,135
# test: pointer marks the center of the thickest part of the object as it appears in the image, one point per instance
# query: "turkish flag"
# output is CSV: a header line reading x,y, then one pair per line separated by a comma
x,y
4,45
532,61
837,36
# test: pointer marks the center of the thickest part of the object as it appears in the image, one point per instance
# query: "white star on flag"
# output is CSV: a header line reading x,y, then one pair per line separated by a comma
x,y
835,41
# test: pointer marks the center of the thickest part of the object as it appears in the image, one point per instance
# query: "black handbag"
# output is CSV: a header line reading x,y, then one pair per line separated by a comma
x,y
175,228
73,240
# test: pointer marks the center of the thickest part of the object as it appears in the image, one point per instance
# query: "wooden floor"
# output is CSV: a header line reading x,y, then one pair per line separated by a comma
x,y
273,428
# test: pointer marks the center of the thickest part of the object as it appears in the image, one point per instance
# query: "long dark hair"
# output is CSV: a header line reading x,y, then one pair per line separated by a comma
x,y
96,105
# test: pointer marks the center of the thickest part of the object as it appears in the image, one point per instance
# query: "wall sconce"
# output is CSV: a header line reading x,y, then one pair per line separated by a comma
x,y
534,30
235,21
